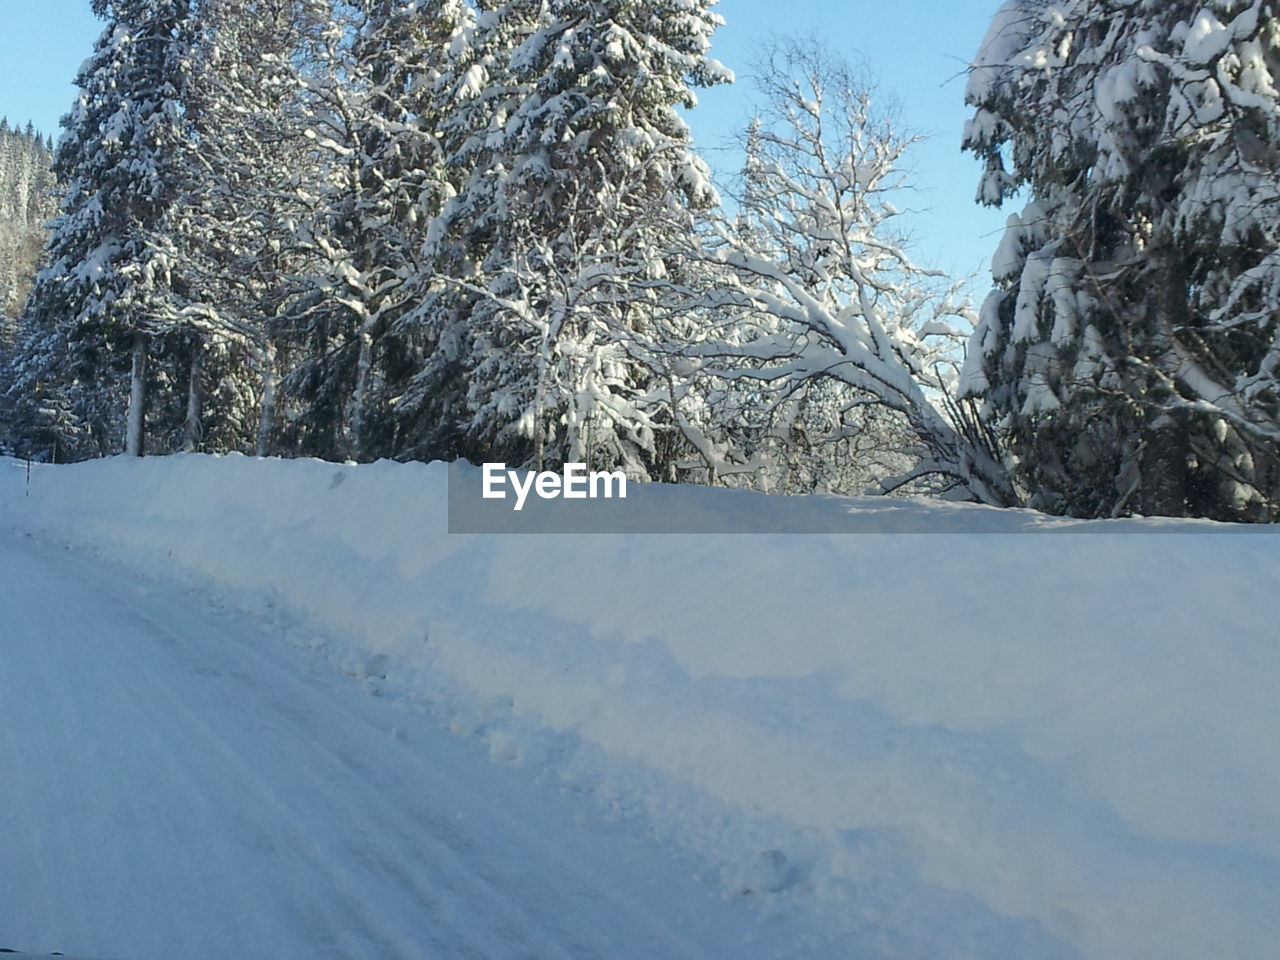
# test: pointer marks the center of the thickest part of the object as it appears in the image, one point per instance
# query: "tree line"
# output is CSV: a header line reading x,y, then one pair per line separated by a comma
x,y
458,229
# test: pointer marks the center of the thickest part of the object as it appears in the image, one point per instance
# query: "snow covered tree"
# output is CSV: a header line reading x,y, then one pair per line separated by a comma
x,y
462,96
95,302
238,233
817,314
579,177
376,117
1129,355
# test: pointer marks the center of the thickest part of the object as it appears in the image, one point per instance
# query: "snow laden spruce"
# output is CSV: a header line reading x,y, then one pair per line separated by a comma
x,y
1130,352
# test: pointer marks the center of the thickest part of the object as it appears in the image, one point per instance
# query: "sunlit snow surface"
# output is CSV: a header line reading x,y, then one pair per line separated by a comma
x,y
983,744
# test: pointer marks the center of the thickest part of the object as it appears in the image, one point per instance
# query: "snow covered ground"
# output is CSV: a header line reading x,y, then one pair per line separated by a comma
x,y
266,708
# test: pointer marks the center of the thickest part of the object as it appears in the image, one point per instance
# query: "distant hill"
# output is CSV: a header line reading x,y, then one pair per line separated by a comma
x,y
27,203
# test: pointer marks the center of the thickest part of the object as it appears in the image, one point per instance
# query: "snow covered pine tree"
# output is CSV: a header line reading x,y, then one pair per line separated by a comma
x,y
578,169
1130,352
95,302
245,183
376,122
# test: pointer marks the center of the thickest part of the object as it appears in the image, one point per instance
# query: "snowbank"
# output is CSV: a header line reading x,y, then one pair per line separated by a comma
x,y
974,745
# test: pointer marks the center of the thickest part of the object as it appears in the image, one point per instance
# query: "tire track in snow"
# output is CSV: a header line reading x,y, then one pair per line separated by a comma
x,y
463,885
246,805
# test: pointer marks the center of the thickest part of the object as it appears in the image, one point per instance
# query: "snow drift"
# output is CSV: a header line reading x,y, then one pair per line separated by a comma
x,y
988,744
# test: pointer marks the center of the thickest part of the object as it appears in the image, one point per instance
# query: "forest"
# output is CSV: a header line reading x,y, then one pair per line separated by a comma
x,y
27,203
479,229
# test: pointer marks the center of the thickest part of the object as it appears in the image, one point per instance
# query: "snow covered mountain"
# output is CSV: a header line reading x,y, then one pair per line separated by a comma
x,y
26,204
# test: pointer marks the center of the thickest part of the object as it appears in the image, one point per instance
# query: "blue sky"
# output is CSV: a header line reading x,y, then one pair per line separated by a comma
x,y
916,50
42,46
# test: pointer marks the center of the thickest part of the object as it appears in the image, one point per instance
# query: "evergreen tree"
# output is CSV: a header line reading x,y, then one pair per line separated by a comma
x,y
238,238
92,310
578,177
375,119
1130,351
363,228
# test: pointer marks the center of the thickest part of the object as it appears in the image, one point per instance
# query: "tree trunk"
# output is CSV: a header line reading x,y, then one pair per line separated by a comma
x,y
1163,466
1164,442
192,429
360,400
267,412
137,397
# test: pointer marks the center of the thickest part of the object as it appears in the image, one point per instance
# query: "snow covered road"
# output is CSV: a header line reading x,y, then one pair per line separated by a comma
x,y
177,785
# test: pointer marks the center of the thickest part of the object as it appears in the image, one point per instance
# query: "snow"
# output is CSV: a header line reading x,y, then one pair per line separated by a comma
x,y
1006,36
188,786
983,743
472,82
1010,256
1040,399
1207,39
